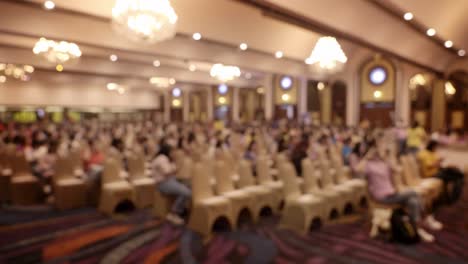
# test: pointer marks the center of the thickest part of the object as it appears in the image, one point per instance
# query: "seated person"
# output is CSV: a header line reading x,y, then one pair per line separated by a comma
x,y
164,170
379,175
431,166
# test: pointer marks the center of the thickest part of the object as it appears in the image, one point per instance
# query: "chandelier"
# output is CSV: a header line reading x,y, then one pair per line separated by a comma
x,y
327,56
224,73
57,52
20,72
149,21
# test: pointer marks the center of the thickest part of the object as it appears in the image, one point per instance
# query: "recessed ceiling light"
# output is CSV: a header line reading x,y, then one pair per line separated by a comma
x,y
196,36
172,81
431,32
156,63
448,44
121,90
112,86
408,16
192,67
49,5
248,75
2,79
113,57
243,46
320,86
461,53
279,54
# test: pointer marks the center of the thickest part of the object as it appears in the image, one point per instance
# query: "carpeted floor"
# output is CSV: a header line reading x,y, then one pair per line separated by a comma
x,y
85,236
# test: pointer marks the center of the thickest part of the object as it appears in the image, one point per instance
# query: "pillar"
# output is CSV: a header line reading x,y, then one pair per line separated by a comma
x,y
235,104
167,106
326,104
438,105
302,100
186,105
269,104
209,114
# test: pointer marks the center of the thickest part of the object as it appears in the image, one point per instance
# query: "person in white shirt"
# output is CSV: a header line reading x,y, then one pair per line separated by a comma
x,y
164,174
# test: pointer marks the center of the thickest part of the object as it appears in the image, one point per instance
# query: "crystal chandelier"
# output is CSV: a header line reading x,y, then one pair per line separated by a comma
x,y
224,73
149,21
57,52
20,72
327,56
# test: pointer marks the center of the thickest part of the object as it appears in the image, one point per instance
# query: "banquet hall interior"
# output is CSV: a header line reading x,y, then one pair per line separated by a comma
x,y
233,131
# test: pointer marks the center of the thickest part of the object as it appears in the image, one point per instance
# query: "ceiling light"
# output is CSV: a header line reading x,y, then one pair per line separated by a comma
x,y
156,63
461,53
320,86
16,71
145,21
279,54
113,57
172,81
57,52
448,44
260,90
449,88
112,86
121,90
192,67
224,73
377,94
59,68
327,56
431,32
248,75
160,81
49,5
243,46
408,16
196,36
2,79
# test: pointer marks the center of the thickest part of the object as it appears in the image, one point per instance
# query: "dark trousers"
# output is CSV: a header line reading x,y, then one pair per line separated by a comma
x,y
451,176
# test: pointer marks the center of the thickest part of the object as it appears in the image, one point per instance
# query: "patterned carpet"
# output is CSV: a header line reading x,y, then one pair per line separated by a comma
x,y
42,235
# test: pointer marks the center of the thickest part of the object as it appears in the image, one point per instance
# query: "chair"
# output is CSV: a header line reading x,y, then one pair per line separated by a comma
x,y
25,188
434,184
300,209
113,189
206,207
69,191
264,178
144,186
312,186
240,199
264,196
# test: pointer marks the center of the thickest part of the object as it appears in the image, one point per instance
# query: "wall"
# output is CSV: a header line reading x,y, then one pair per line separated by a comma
x,y
387,88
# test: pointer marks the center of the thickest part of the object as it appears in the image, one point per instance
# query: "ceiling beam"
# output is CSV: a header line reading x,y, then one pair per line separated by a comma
x,y
283,14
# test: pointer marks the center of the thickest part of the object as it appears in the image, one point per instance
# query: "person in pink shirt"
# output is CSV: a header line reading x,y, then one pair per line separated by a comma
x,y
379,174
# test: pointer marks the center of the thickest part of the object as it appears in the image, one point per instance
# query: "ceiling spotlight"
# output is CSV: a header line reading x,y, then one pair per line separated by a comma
x,y
59,68
243,46
156,63
431,32
49,5
196,36
192,67
248,75
408,16
320,86
112,86
2,79
448,44
461,53
113,57
121,90
279,54
172,81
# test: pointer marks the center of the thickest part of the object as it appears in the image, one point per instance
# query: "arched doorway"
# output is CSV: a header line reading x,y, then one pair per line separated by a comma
x,y
456,92
338,103
420,86
377,91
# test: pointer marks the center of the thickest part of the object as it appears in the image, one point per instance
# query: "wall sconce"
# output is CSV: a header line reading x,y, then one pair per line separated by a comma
x,y
377,94
285,97
222,100
176,102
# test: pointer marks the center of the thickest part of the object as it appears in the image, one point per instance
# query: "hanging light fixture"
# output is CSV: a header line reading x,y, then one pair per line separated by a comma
x,y
57,52
327,56
19,72
147,21
225,73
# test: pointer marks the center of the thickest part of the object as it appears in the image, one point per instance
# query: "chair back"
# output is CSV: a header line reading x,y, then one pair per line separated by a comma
x,y
224,181
326,177
263,170
185,171
289,177
201,187
20,165
408,173
136,167
111,171
280,159
75,159
63,168
309,175
246,177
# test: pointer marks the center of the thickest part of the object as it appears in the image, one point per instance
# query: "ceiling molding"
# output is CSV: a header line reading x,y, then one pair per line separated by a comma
x,y
414,24
101,19
277,12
